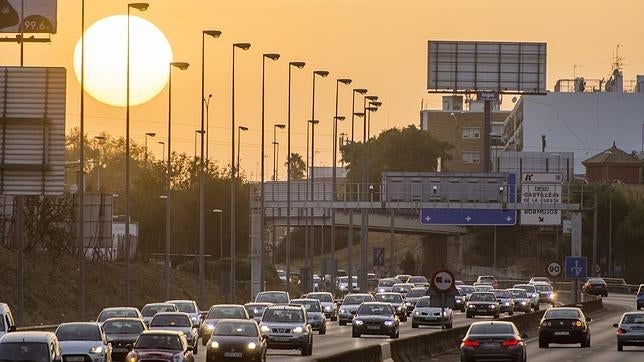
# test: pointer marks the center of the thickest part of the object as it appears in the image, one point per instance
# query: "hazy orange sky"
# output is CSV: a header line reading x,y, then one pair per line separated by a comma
x,y
381,45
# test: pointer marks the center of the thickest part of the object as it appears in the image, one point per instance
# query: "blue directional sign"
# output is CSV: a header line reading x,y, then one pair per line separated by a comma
x,y
443,216
576,267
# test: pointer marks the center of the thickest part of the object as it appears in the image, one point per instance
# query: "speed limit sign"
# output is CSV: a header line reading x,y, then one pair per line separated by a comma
x,y
554,269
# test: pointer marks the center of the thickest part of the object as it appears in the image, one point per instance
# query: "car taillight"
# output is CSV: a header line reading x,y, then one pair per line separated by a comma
x,y
510,343
471,343
578,324
621,331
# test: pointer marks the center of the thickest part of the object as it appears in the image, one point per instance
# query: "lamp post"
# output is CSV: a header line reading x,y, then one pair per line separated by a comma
x,y
336,118
168,228
145,155
162,150
221,231
240,129
276,146
271,56
81,190
140,7
98,163
233,183
202,184
299,65
200,132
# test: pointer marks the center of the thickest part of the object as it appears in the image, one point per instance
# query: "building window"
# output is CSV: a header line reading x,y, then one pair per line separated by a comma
x,y
471,157
471,132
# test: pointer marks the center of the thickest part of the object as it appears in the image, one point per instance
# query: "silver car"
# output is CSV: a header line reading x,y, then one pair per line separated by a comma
x,y
118,312
82,341
327,302
425,315
31,346
151,309
287,327
630,330
189,307
177,321
350,305
532,294
314,312
385,285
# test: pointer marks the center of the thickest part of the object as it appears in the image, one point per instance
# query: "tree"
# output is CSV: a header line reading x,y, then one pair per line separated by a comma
x,y
298,167
629,253
407,149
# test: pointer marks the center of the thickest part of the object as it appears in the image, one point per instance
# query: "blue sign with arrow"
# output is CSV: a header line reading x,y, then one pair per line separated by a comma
x,y
443,216
576,267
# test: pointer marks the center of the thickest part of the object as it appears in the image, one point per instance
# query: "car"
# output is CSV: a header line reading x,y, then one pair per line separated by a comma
x,y
459,283
402,288
540,280
375,318
343,284
467,290
482,303
83,341
328,304
418,281
385,285
403,278
287,327
483,288
121,333
521,300
396,301
595,286
493,341
630,330
506,304
314,312
564,325
426,315
161,345
349,306
459,300
412,297
487,279
546,293
149,310
7,323
532,294
189,307
30,346
118,312
236,339
177,321
218,312
255,310
276,297
639,303
281,275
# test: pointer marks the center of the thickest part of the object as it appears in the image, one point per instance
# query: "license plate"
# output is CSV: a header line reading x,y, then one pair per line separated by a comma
x,y
481,310
233,354
489,345
562,333
373,327
75,358
119,350
281,339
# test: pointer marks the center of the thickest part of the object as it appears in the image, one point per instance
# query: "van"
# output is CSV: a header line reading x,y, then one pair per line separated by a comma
x,y
7,323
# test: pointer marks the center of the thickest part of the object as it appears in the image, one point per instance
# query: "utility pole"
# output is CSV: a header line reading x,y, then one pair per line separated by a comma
x,y
594,234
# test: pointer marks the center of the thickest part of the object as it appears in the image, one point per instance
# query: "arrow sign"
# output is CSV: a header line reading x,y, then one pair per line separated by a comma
x,y
444,216
576,267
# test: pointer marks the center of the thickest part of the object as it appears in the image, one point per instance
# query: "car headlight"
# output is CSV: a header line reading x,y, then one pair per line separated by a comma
x,y
328,308
251,345
343,287
523,302
492,306
96,350
381,290
399,308
471,306
214,345
131,358
210,327
459,301
507,303
389,323
342,310
416,313
298,330
265,329
358,322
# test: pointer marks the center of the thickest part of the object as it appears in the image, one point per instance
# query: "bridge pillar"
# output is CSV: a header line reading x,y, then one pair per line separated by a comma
x,y
454,253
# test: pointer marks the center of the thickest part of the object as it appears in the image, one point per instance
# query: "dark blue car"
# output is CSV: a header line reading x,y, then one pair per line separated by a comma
x,y
640,297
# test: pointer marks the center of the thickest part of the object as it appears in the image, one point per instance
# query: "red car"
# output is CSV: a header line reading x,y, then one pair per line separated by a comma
x,y
595,286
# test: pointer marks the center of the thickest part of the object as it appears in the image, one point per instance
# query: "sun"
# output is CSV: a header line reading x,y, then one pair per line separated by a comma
x,y
106,60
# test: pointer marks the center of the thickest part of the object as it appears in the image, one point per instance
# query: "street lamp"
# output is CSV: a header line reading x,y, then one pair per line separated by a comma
x,y
271,56
233,183
98,174
162,151
147,134
81,181
168,229
299,65
276,144
140,7
202,184
221,231
239,131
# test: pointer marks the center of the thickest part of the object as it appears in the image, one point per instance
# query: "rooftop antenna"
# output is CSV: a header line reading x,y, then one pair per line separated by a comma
x,y
574,70
618,61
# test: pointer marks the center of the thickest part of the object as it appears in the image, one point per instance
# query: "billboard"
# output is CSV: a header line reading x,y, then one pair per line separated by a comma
x,y
473,67
39,16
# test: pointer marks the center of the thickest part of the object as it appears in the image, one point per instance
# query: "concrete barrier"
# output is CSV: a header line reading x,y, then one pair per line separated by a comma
x,y
366,354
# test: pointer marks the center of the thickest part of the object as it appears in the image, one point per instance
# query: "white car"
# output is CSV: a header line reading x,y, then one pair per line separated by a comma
x,y
83,341
189,307
426,315
177,321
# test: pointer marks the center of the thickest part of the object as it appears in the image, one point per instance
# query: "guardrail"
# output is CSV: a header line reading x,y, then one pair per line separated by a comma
x,y
44,328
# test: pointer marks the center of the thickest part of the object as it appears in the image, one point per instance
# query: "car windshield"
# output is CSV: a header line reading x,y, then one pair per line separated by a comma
x,y
272,298
389,298
422,302
562,314
24,351
482,288
1,324
283,316
78,332
519,293
417,279
117,313
482,297
467,289
236,329
357,299
158,341
250,309
226,312
633,318
310,306
401,288
123,327
543,288
168,320
375,309
386,283
151,310
502,294
186,307
527,288
325,298
596,281
491,329
486,280
415,293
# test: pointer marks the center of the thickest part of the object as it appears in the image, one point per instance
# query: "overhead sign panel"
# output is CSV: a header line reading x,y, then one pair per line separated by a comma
x,y
474,66
38,16
541,177
473,217
538,196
